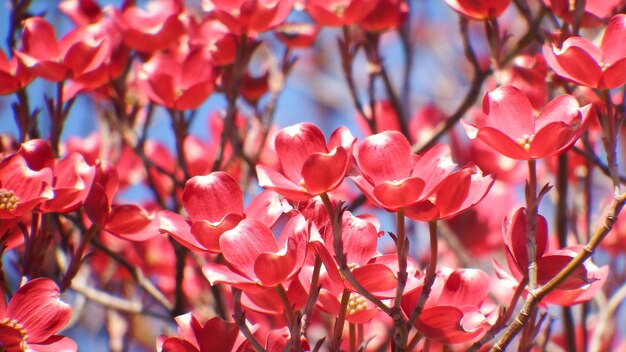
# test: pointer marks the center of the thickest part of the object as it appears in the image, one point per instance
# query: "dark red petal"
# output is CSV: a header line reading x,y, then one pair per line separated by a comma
x,y
175,344
38,307
211,197
218,335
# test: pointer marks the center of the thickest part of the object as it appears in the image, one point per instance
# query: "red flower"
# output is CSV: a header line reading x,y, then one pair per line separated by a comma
x,y
456,310
458,192
595,10
13,75
309,166
393,177
386,15
580,61
32,318
510,127
21,188
179,85
250,16
479,9
580,287
256,260
214,335
78,55
339,12
149,31
214,204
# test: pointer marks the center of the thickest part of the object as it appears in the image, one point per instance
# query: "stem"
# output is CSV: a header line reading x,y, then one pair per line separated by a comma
x,y
338,331
289,317
77,258
240,318
429,279
402,247
352,337
531,224
313,292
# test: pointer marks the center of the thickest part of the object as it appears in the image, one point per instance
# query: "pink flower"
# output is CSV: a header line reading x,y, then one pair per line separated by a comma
x,y
509,125
32,318
581,62
310,166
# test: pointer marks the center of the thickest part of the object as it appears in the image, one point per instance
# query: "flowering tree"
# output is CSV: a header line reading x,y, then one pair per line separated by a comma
x,y
467,198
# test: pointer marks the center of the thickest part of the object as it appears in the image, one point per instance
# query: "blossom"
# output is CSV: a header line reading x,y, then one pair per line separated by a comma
x,y
395,178
32,318
581,62
21,188
178,84
78,55
457,310
13,74
249,16
214,204
509,125
195,335
310,166
256,260
479,9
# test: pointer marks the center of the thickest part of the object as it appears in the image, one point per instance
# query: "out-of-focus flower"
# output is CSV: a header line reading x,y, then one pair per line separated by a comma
x,y
249,16
581,62
509,125
595,10
178,84
339,12
13,74
78,55
150,30
32,318
479,9
386,15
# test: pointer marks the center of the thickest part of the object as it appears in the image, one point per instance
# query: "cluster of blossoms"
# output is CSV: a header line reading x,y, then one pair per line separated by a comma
x,y
262,238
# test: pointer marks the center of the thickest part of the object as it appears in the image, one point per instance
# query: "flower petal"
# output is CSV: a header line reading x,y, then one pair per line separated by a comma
x,y
213,196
